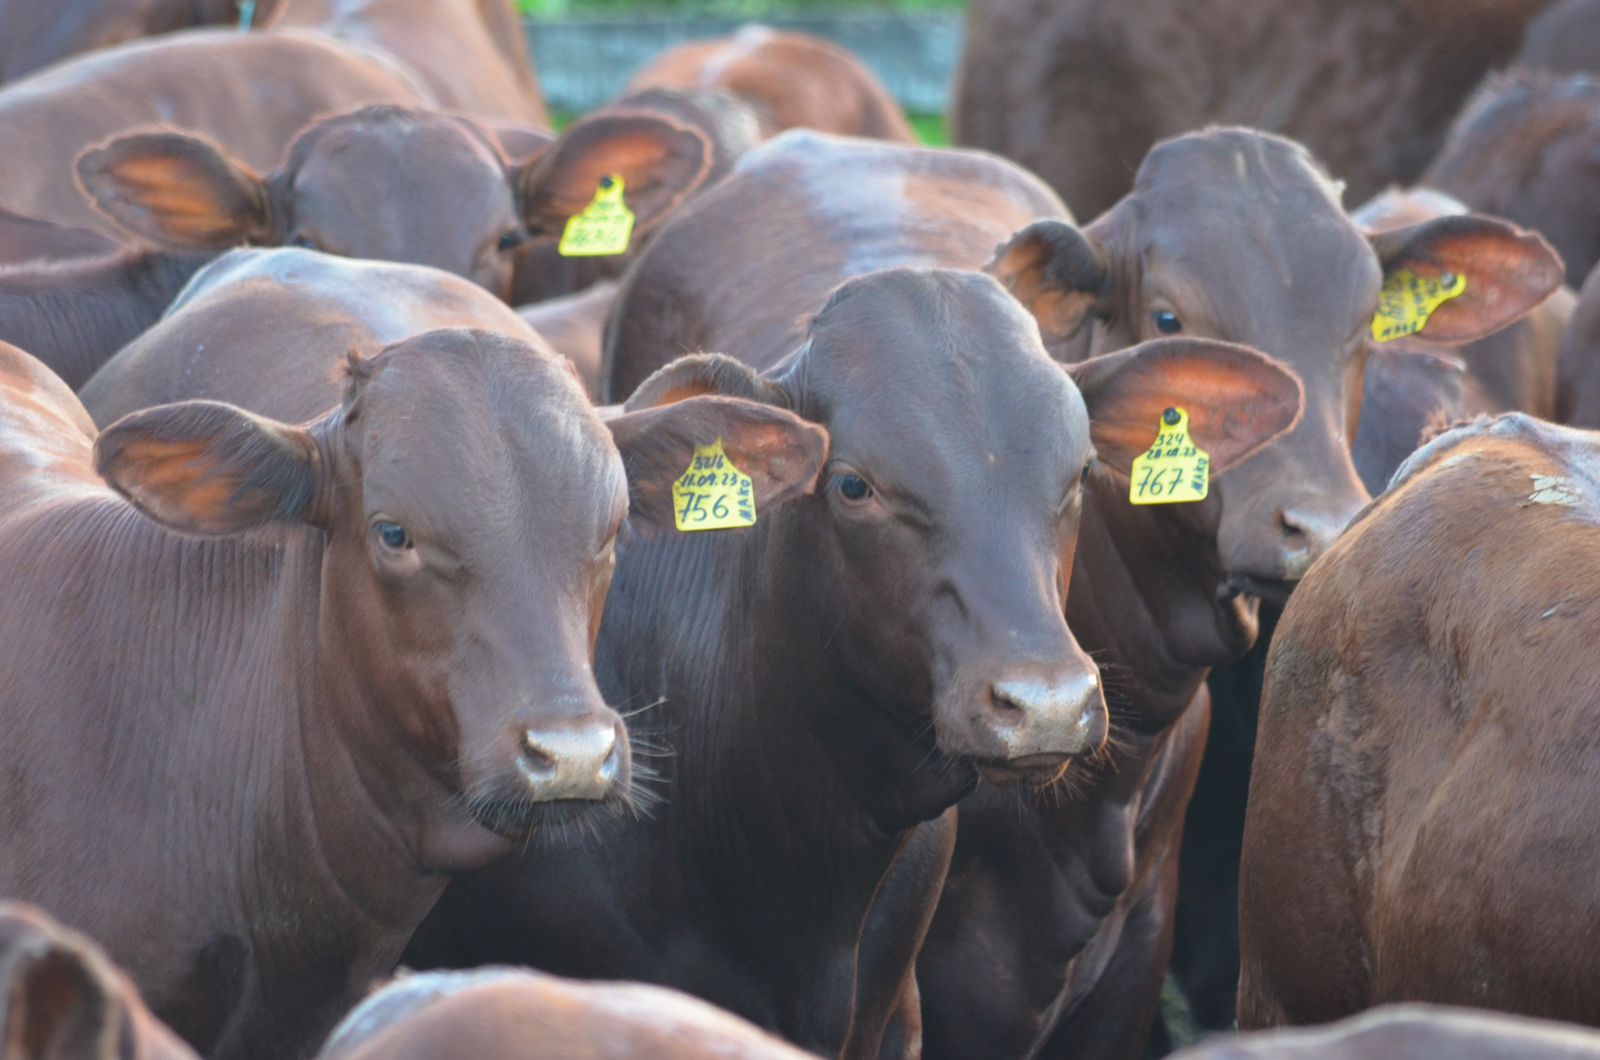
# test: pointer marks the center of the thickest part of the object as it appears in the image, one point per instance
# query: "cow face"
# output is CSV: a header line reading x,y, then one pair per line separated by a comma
x,y
394,184
938,550
1237,235
470,500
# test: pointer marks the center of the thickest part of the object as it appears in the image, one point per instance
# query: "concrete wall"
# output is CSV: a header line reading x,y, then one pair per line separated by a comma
x,y
582,64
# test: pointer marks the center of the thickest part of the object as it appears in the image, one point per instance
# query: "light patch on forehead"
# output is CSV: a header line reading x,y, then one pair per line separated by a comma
x,y
1554,489
744,43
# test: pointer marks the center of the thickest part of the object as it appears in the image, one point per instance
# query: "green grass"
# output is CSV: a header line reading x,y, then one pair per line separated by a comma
x,y
931,128
728,8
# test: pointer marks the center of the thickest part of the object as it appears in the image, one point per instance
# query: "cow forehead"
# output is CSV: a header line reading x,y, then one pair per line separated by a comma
x,y
464,426
929,371
342,164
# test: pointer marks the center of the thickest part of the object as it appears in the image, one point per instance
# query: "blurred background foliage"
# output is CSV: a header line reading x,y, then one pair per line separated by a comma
x,y
723,8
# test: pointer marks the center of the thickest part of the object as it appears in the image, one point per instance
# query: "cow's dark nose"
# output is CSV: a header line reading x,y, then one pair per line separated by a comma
x,y
572,761
1308,532
1040,714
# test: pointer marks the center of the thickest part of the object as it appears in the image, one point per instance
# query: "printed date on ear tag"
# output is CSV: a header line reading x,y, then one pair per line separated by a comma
x,y
1408,300
713,494
1174,470
603,227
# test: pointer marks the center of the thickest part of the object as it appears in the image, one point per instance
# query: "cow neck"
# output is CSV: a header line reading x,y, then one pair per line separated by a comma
x,y
1146,602
750,705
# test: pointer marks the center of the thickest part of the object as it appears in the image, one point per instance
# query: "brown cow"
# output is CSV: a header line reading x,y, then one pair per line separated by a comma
x,y
1410,1032
1079,90
574,326
76,313
506,1013
28,239
1525,148
471,56
792,80
866,668
1422,804
36,33
269,686
1565,38
62,999
460,207
268,329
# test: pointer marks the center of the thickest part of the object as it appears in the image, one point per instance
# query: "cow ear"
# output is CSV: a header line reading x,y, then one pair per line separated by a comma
x,y
176,190
1509,271
661,163
520,143
695,401
1238,399
203,467
1056,272
56,1001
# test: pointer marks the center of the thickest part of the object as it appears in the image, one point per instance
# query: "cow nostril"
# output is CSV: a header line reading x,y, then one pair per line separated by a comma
x,y
535,760
1294,534
1003,700
612,765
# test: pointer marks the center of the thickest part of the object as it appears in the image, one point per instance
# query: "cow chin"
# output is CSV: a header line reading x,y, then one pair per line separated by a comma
x,y
517,818
1269,590
1040,773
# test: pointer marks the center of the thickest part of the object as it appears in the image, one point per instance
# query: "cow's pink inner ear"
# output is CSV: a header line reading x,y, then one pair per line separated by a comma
x,y
661,162
1238,399
1509,271
177,190
1055,272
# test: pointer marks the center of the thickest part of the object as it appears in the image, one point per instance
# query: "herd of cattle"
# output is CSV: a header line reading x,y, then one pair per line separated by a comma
x,y
359,437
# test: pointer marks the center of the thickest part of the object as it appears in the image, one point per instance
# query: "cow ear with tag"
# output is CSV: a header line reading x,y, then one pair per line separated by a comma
x,y
177,190
692,406
203,467
660,163
1487,274
1238,400
1056,273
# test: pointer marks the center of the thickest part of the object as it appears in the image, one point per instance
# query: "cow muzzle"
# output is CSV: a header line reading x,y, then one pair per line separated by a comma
x,y
1029,722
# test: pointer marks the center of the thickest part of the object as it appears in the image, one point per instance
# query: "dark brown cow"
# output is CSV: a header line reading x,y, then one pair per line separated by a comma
x,y
75,314
460,207
1565,38
792,80
1579,385
36,33
263,691
1526,147
1422,804
201,81
1410,1032
471,56
268,329
1079,90
506,1013
871,662
27,239
61,999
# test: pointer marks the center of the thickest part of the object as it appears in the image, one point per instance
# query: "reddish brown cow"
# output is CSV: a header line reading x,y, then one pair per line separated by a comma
x,y
574,326
1079,90
61,999
1525,148
26,239
498,1013
268,329
462,206
923,373
36,33
269,686
1422,803
1410,1032
471,56
1579,385
792,80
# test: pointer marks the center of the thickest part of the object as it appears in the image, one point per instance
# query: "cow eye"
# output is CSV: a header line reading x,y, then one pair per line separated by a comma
x,y
1087,468
511,240
393,535
1167,322
854,488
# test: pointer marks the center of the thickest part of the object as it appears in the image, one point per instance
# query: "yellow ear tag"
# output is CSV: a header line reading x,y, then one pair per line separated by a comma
x,y
1175,470
713,494
603,227
1408,300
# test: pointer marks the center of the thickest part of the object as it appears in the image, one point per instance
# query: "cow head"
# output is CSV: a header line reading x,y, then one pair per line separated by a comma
x,y
393,183
1237,235
469,499
937,552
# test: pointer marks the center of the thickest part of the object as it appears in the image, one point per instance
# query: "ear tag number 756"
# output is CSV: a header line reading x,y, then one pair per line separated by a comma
x,y
1174,470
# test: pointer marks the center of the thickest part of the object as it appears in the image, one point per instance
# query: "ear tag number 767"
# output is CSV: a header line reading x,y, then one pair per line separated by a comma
x,y
1174,470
